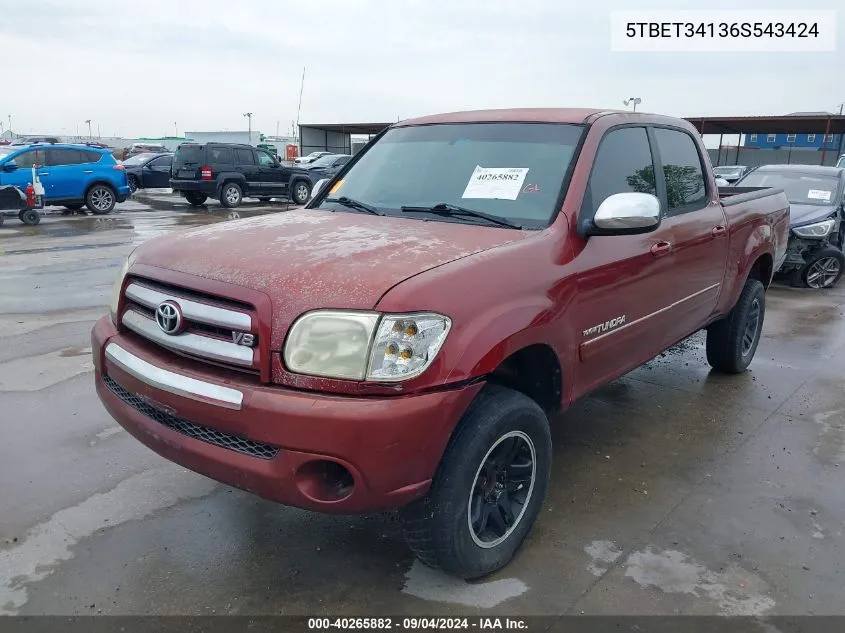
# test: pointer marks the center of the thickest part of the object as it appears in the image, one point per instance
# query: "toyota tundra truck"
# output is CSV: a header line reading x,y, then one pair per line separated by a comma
x,y
404,340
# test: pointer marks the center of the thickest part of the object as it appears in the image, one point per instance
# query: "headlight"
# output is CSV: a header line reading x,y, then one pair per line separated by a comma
x,y
359,345
819,229
116,288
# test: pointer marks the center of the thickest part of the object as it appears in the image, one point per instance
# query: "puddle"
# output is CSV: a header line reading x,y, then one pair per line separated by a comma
x,y
434,586
604,554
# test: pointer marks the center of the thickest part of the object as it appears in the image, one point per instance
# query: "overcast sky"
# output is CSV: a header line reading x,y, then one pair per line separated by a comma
x,y
137,67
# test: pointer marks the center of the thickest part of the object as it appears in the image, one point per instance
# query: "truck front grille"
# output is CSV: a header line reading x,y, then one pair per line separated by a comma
x,y
190,429
212,329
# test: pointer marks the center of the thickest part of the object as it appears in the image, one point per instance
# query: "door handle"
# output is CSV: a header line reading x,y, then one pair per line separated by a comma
x,y
43,173
661,248
88,171
719,230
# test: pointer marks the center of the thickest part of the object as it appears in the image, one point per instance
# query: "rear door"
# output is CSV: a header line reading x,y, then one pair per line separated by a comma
x,y
187,160
246,164
695,225
68,173
623,283
273,177
156,173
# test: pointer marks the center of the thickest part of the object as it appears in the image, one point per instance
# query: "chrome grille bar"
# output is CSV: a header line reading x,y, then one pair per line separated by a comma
x,y
188,343
191,310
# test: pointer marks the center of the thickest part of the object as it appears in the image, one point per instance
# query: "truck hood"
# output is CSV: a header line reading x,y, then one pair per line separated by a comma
x,y
800,214
309,259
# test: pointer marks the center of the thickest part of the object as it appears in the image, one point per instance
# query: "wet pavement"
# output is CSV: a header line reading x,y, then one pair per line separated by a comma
x,y
674,490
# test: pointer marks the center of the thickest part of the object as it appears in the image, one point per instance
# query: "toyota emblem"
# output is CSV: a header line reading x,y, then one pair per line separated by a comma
x,y
169,317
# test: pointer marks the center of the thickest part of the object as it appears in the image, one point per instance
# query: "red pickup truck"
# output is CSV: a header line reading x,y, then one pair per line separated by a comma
x,y
404,340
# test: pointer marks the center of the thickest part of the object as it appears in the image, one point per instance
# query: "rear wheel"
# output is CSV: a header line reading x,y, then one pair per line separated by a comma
x,y
301,192
195,198
823,269
30,217
488,489
732,341
100,199
231,195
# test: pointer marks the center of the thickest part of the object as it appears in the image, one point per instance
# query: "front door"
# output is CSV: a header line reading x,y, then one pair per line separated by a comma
x,y
156,173
66,174
273,178
22,176
622,283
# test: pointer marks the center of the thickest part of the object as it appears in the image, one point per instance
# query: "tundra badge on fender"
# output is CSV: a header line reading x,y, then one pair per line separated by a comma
x,y
601,328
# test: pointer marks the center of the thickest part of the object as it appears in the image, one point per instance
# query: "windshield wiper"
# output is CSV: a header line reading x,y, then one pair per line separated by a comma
x,y
444,208
355,204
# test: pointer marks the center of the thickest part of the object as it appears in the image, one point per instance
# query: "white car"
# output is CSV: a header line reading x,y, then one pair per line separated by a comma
x,y
304,160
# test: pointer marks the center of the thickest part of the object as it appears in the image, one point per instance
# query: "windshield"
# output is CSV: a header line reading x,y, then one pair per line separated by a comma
x,y
138,159
799,188
512,171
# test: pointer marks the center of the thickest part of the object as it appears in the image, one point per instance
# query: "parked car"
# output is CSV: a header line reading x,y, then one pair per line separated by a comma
x,y
403,341
34,140
143,148
148,171
731,173
230,172
72,175
326,166
304,160
816,196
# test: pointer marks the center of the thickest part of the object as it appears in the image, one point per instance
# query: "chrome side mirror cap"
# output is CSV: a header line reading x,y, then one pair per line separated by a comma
x,y
626,214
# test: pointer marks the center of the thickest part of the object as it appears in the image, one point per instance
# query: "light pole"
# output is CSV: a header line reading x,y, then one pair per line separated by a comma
x,y
11,134
90,135
176,128
633,100
248,115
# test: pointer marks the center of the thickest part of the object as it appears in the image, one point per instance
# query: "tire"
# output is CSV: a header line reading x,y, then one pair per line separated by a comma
x,y
30,217
732,341
300,192
231,195
823,269
440,529
76,206
134,185
100,199
195,198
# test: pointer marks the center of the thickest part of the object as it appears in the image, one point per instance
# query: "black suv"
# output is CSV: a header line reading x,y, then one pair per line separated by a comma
x,y
230,171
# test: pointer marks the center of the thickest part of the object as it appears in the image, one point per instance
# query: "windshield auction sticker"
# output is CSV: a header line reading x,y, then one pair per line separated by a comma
x,y
819,194
499,183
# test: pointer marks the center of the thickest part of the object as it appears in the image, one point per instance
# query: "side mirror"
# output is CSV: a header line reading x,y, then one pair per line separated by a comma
x,y
318,187
10,166
627,214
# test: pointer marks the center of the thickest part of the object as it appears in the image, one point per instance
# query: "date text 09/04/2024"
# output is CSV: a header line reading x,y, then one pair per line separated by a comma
x,y
418,624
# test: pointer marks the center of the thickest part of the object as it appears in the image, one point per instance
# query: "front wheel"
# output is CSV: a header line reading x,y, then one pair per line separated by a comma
x,y
301,192
488,489
231,195
823,269
30,217
100,199
732,341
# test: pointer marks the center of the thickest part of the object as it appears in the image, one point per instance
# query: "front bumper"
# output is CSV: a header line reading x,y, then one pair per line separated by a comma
x,y
274,441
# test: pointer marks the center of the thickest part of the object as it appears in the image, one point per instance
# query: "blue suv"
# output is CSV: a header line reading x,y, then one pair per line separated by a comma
x,y
72,175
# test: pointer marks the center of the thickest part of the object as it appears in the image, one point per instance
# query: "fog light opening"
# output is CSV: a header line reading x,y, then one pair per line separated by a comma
x,y
324,480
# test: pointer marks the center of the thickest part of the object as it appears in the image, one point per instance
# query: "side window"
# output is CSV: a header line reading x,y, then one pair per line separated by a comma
x,y
27,159
623,164
91,157
57,157
221,155
265,160
161,162
685,190
244,157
